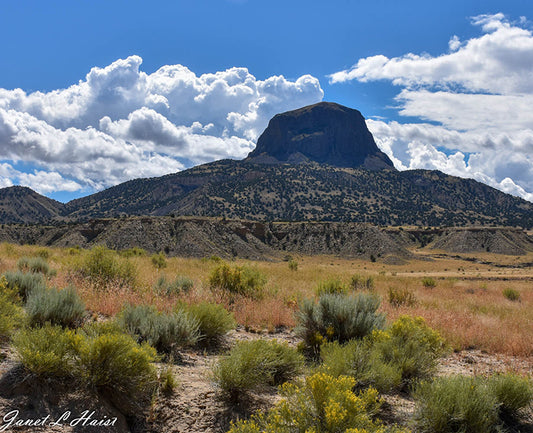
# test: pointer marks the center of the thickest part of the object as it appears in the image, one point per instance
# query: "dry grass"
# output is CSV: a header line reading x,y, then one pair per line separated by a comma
x,y
475,314
466,305
270,314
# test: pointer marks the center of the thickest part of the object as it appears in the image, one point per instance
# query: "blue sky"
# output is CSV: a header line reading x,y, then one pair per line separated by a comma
x,y
445,85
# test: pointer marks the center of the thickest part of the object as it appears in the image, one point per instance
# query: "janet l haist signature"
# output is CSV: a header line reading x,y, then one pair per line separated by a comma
x,y
86,418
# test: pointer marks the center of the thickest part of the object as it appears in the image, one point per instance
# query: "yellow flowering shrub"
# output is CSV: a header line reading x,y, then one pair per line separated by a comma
x,y
408,328
48,351
388,359
410,345
116,361
11,314
320,404
104,358
251,365
241,280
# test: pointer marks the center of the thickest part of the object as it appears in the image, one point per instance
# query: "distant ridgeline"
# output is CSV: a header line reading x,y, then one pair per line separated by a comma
x,y
206,237
317,163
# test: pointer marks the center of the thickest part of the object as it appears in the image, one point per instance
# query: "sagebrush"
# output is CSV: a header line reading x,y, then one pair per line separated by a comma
x,y
253,364
58,307
165,332
34,265
25,283
338,318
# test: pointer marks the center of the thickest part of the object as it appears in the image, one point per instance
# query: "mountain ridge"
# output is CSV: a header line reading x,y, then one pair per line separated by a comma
x,y
204,237
265,187
21,204
308,191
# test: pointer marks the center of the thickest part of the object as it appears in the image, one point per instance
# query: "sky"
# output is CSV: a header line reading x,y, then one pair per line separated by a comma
x,y
95,93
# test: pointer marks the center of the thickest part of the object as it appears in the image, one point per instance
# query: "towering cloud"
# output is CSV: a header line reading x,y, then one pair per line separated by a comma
x,y
121,123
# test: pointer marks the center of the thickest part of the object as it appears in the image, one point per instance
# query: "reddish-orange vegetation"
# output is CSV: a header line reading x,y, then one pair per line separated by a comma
x,y
466,305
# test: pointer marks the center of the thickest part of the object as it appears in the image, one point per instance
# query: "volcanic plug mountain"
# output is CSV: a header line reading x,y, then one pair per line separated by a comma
x,y
326,133
317,163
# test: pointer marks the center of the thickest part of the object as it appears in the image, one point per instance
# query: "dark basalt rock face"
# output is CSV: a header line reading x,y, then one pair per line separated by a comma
x,y
326,133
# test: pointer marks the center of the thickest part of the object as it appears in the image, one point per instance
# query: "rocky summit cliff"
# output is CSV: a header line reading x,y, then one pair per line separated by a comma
x,y
326,133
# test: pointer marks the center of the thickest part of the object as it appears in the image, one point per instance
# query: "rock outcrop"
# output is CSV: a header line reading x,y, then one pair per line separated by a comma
x,y
509,240
204,237
326,133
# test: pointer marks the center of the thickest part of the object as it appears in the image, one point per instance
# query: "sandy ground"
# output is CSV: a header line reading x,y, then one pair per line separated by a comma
x,y
195,405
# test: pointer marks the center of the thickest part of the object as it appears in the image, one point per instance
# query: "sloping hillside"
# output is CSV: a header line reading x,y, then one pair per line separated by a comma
x,y
318,163
311,192
203,237
20,204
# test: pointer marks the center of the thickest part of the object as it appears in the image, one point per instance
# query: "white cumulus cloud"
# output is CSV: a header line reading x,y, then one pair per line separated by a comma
x,y
41,181
499,61
121,123
474,101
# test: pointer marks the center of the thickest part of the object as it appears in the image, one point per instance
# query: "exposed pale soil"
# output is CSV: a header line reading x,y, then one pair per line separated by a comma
x,y
195,405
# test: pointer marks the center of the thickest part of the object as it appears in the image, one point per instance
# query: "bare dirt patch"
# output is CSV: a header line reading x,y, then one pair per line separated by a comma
x,y
196,406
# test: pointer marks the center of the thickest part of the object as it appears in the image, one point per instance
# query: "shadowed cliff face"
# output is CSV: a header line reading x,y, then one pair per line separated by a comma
x,y
325,133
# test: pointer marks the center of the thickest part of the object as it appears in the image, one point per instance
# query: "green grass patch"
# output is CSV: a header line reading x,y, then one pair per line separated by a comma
x,y
360,282
179,285
401,297
511,294
159,260
11,314
429,282
332,286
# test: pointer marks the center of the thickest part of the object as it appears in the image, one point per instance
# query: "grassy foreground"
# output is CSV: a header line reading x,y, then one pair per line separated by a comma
x,y
115,326
473,305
